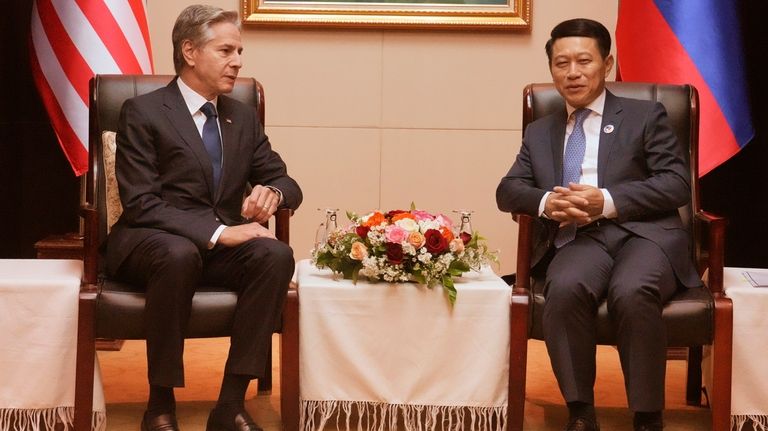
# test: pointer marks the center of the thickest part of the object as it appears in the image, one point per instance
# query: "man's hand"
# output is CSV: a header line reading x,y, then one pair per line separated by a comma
x,y
577,203
260,204
236,235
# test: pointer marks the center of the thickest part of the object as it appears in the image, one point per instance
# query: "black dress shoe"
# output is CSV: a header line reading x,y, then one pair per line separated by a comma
x,y
164,422
582,424
242,421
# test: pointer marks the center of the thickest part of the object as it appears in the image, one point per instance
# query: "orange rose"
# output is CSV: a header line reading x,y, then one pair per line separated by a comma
x,y
358,251
401,216
416,239
374,219
447,234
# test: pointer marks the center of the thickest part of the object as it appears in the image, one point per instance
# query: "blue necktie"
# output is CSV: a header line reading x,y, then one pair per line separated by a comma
x,y
212,140
572,160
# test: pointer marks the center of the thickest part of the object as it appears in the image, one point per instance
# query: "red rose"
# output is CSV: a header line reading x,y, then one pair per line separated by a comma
x,y
394,253
362,231
465,237
435,241
393,213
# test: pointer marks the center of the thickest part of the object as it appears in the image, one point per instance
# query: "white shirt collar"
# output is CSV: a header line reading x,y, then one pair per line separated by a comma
x,y
193,99
597,105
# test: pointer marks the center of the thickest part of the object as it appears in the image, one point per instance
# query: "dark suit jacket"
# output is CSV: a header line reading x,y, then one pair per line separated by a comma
x,y
165,176
640,163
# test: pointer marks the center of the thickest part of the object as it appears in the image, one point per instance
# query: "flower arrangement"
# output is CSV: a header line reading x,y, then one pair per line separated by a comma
x,y
399,246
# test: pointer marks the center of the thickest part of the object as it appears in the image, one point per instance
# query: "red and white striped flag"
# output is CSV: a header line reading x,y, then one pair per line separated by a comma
x,y
72,40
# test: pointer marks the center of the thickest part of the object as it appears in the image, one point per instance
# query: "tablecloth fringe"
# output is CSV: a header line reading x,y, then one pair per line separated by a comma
x,y
759,422
373,416
46,419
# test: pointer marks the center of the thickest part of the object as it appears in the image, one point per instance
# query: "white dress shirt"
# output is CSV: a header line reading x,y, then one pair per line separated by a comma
x,y
592,130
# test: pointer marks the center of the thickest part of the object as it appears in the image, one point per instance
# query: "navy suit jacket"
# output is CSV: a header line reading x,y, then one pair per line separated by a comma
x,y
165,175
640,162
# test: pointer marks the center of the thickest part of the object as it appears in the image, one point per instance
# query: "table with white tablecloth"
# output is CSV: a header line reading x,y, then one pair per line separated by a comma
x,y
38,342
375,354
749,387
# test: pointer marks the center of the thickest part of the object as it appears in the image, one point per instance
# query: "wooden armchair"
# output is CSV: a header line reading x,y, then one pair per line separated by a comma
x,y
694,317
111,309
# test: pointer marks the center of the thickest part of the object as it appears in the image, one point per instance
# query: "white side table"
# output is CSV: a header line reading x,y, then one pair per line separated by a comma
x,y
38,344
749,396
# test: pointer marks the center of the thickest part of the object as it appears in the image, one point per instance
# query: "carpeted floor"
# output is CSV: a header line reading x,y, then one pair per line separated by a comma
x,y
125,387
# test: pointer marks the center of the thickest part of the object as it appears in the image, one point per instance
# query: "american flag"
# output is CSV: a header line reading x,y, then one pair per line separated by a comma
x,y
72,40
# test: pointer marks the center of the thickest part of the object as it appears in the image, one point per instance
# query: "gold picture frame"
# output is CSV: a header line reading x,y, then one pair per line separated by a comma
x,y
504,15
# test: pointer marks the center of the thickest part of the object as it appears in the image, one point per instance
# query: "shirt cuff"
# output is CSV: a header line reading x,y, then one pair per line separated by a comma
x,y
279,194
215,237
609,209
543,205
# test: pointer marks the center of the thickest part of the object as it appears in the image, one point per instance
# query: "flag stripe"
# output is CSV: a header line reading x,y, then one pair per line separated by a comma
x,y
724,72
139,11
77,155
73,109
650,50
84,37
76,68
123,15
70,41
109,31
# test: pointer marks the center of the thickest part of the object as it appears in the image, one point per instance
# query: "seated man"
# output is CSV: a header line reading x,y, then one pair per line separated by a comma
x,y
606,176
185,156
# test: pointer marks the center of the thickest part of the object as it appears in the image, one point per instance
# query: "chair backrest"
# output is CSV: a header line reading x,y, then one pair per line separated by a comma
x,y
107,94
680,101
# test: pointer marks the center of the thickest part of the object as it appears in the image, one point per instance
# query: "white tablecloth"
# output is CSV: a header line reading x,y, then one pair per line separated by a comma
x,y
38,341
381,352
749,396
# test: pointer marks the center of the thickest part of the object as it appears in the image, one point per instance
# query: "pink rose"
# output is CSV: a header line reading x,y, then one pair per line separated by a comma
x,y
444,221
395,233
422,215
456,245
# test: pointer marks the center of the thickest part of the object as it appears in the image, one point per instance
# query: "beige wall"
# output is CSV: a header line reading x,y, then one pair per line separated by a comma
x,y
377,119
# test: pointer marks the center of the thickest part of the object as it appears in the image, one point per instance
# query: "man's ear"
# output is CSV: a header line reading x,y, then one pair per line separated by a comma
x,y
608,64
188,50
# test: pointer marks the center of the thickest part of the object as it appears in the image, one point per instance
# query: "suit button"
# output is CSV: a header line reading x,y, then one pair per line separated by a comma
x,y
217,219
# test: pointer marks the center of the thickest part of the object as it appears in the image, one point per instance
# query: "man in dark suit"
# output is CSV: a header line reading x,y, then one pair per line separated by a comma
x,y
186,155
605,177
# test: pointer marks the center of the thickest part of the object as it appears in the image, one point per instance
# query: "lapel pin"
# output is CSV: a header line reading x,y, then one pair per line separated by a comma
x,y
228,120
608,128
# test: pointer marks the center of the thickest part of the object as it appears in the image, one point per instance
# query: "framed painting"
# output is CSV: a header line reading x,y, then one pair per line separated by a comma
x,y
509,15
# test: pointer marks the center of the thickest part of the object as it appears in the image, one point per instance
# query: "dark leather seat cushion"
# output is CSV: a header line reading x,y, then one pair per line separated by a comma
x,y
120,312
688,317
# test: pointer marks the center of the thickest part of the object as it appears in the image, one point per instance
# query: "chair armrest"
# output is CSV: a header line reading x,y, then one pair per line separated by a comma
x,y
524,242
711,255
282,224
90,247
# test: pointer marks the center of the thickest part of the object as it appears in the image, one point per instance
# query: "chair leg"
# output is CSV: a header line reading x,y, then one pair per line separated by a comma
x,y
693,381
722,350
289,363
86,354
265,383
518,360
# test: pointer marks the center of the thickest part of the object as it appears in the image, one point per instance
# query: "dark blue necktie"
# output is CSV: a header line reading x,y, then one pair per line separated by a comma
x,y
212,140
572,160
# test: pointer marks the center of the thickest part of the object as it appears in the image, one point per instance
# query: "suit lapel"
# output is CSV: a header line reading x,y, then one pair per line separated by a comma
x,y
612,118
179,117
557,141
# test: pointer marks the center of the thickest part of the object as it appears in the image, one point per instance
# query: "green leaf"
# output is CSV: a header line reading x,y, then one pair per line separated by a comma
x,y
419,278
450,289
413,206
